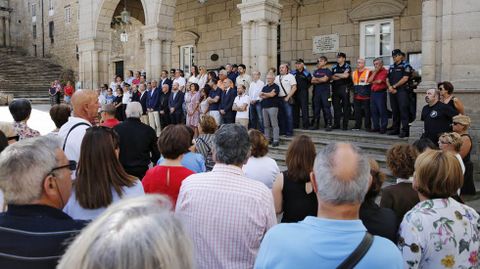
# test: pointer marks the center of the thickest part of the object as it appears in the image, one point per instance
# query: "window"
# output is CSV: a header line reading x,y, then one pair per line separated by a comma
x,y
51,28
68,14
186,58
376,40
34,10
34,32
50,7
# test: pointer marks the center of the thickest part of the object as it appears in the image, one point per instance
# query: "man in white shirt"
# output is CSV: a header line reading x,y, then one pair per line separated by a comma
x,y
288,85
243,77
241,105
180,80
255,117
85,111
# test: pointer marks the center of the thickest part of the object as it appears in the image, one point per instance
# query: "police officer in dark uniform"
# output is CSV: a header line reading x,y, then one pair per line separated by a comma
x,y
341,80
303,78
321,94
397,81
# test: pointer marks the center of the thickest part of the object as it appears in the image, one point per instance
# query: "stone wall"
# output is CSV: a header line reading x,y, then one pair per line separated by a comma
x,y
212,27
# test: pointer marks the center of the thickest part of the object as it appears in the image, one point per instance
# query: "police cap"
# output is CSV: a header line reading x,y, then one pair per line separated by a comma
x,y
396,52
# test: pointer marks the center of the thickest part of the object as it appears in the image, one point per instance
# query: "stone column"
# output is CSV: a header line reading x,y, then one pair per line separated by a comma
x,y
246,37
2,32
261,46
7,32
273,44
167,54
89,62
148,55
156,59
429,32
95,70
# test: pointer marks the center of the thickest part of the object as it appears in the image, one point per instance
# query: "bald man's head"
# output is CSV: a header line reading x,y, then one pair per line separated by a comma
x,y
85,105
342,174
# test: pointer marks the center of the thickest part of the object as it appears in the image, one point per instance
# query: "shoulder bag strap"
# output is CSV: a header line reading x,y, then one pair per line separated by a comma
x,y
356,256
206,144
280,80
71,129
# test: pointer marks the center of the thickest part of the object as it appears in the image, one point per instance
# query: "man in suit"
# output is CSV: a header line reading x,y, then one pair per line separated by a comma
x,y
226,102
153,107
175,102
164,110
143,99
164,80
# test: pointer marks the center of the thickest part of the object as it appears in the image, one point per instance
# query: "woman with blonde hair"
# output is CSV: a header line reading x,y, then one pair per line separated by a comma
x,y
140,233
460,125
293,192
439,232
452,142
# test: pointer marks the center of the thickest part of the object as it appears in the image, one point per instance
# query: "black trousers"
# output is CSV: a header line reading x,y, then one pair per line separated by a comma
x,y
229,117
400,103
341,105
301,104
322,104
164,120
362,107
176,117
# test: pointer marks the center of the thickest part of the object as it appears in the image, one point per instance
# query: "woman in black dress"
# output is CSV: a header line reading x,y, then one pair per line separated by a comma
x,y
292,191
119,110
460,126
446,96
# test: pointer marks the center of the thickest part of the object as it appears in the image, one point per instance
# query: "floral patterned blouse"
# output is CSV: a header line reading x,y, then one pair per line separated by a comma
x,y
440,233
24,131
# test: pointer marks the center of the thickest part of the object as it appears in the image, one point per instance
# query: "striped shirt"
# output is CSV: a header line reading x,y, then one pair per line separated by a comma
x,y
227,215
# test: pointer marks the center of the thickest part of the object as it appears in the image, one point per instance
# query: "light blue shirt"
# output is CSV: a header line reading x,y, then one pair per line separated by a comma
x,y
192,161
323,243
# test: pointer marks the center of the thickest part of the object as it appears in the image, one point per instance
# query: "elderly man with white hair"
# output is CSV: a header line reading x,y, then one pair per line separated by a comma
x,y
138,142
35,176
336,238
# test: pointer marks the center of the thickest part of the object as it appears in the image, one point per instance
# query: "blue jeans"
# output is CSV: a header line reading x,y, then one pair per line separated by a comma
x,y
378,108
256,116
285,118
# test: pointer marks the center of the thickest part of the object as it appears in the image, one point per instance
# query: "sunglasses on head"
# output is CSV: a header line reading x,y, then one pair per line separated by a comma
x,y
15,137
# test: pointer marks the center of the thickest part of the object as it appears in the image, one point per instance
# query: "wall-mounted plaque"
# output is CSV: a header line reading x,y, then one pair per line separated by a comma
x,y
325,43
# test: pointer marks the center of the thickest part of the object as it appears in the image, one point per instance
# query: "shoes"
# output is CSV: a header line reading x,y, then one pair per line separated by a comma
x,y
382,131
336,126
355,129
275,144
345,128
391,128
403,134
373,130
328,128
393,132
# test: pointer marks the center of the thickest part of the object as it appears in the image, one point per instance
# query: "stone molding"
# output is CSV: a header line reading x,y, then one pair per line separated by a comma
x,y
267,10
187,38
383,9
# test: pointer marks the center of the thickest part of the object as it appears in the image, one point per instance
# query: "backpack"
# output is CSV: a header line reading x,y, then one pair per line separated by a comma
x,y
209,162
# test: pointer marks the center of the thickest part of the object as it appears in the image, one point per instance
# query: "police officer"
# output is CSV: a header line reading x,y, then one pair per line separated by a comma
x,y
340,93
399,92
303,78
321,94
411,87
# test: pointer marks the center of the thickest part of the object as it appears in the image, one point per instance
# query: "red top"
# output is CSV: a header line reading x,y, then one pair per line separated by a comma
x,y
136,81
381,75
68,90
165,180
110,123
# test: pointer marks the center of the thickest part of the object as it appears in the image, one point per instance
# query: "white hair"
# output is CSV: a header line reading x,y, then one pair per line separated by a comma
x,y
340,191
23,167
139,233
134,110
7,128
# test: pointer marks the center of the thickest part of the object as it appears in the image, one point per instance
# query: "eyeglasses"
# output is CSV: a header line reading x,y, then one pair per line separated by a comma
x,y
15,137
72,165
440,142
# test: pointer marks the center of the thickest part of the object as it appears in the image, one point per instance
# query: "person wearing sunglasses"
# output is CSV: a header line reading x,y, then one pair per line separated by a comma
x,y
35,176
101,179
460,125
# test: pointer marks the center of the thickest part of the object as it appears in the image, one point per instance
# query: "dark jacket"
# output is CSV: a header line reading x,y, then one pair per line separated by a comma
x,y
167,81
35,231
177,102
226,103
153,98
400,197
137,142
163,103
379,221
143,101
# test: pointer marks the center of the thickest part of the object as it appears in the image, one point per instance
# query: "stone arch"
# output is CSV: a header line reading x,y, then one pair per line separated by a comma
x,y
383,9
106,12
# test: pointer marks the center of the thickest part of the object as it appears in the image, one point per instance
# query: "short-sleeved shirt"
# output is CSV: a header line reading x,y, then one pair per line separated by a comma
x,y
241,101
380,75
326,242
213,94
272,101
181,81
397,71
165,180
287,81
321,73
340,69
245,80
437,120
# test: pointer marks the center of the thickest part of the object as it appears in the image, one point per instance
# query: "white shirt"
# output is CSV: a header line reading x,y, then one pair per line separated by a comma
x,y
126,98
181,81
288,81
255,89
202,80
244,79
72,147
241,101
193,79
74,210
263,169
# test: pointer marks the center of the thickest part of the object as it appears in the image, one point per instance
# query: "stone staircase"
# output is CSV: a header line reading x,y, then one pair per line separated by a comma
x,y
373,144
26,76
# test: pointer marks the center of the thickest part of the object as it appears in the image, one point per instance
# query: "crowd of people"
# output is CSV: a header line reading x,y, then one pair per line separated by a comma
x,y
136,184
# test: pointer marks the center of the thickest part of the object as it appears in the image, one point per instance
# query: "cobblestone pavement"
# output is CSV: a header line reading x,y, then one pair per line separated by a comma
x,y
40,120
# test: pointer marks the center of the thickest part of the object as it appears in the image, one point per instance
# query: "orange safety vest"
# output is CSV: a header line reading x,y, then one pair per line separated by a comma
x,y
360,83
